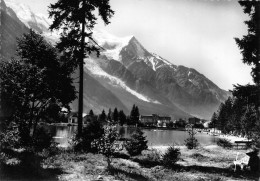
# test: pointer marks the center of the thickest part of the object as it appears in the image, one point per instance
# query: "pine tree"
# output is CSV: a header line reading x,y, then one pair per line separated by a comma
x,y
109,115
137,143
250,43
121,117
250,49
134,115
102,117
77,20
115,116
213,120
91,113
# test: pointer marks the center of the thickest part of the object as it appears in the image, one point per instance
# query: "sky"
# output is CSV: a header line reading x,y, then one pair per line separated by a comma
x,y
198,34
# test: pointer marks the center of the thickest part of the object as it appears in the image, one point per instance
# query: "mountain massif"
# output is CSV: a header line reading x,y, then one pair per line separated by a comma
x,y
125,73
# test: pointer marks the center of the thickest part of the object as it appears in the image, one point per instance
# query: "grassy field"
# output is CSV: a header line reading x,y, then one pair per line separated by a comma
x,y
211,163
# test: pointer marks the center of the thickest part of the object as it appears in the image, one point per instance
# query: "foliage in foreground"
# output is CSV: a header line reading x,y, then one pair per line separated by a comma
x,y
106,144
171,156
92,131
30,87
137,143
191,142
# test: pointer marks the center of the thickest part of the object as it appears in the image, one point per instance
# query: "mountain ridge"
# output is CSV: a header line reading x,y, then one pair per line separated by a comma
x,y
129,74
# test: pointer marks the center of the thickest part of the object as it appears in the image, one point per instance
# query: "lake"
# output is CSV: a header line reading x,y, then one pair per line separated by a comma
x,y
155,137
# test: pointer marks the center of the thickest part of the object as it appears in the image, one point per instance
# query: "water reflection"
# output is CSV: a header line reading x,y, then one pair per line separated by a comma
x,y
154,137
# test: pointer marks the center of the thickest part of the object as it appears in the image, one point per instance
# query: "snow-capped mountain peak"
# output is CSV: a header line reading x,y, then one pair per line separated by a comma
x,y
112,45
38,22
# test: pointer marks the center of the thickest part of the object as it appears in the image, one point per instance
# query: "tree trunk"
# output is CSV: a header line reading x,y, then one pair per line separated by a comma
x,y
80,103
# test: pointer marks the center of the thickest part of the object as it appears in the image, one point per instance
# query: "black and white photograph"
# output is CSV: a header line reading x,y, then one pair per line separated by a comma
x,y
130,90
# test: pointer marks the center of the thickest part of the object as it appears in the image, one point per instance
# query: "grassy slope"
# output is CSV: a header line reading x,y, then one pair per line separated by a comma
x,y
208,163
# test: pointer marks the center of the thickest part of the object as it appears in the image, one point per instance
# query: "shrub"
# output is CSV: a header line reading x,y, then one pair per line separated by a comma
x,y
92,131
105,144
191,143
42,139
149,158
199,157
224,143
171,156
9,138
137,143
153,155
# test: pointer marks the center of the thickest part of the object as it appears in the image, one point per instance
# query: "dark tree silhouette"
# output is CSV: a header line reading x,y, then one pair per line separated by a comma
x,y
134,115
121,117
91,113
250,43
73,17
35,82
109,115
249,46
102,117
115,116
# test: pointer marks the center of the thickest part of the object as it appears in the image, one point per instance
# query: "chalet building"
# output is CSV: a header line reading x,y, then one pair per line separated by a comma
x,y
181,123
155,120
73,118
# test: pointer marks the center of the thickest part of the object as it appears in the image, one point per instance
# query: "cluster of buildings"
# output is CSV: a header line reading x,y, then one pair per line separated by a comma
x,y
153,120
73,118
156,120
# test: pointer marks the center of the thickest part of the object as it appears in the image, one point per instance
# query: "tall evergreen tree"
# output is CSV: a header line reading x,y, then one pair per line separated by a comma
x,y
102,117
134,115
250,49
109,115
115,115
121,117
91,113
250,43
214,120
77,19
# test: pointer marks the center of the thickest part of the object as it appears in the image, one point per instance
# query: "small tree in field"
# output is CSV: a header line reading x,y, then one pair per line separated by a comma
x,y
171,156
191,142
105,144
137,143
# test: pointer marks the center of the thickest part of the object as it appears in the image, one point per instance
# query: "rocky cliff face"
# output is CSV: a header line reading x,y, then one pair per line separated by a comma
x,y
11,28
125,73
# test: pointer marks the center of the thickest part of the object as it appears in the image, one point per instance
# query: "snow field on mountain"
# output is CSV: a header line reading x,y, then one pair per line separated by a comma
x,y
95,69
102,38
25,14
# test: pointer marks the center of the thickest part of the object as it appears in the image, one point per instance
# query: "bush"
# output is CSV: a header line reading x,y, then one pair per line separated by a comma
x,y
224,143
9,138
153,155
171,156
191,143
149,158
92,131
42,139
137,143
106,143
